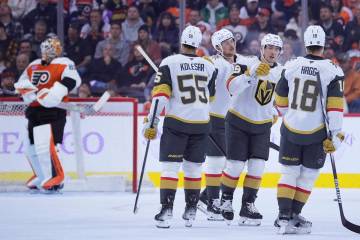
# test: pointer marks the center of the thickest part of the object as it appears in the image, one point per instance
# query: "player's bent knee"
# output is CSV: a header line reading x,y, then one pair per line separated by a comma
x,y
234,167
170,169
289,174
307,178
256,167
191,169
214,165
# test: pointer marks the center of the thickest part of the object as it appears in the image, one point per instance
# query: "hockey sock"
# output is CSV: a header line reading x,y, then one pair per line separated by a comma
x,y
252,179
230,176
251,187
214,167
304,185
168,181
287,188
192,181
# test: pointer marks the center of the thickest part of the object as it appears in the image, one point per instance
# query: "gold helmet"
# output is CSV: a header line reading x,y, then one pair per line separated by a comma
x,y
51,48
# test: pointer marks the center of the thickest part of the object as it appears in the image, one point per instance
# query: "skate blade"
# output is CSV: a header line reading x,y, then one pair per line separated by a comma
x,y
215,217
189,223
286,229
202,207
249,222
162,224
300,231
228,222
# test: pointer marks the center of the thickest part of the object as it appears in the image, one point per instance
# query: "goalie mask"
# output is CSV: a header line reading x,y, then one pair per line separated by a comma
x,y
50,49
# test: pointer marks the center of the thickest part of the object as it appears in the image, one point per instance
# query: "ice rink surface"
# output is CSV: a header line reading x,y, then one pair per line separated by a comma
x,y
87,216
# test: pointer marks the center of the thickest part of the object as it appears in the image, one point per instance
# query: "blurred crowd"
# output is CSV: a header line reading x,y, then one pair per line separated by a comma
x,y
101,35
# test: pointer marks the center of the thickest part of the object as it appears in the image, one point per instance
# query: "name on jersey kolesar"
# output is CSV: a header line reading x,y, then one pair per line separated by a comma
x,y
192,66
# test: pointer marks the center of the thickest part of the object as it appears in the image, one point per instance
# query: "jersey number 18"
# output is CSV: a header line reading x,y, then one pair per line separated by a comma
x,y
308,97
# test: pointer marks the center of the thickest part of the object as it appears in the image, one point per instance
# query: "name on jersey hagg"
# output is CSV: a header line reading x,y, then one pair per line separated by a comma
x,y
192,66
309,70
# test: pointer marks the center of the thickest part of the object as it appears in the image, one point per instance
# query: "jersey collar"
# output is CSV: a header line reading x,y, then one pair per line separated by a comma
x,y
189,55
313,57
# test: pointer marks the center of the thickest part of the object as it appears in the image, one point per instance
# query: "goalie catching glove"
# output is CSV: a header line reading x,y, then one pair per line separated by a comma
x,y
330,145
149,132
52,97
27,91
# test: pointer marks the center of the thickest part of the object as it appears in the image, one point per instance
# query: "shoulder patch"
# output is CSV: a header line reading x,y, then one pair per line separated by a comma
x,y
208,59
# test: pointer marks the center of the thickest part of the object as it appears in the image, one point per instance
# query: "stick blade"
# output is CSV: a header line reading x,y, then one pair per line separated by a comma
x,y
102,100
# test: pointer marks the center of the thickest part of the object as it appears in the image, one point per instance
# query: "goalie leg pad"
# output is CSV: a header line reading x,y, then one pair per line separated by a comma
x,y
58,172
38,177
42,138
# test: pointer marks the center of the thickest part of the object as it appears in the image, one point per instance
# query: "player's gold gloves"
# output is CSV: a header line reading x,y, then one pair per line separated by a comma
x,y
150,133
263,69
331,145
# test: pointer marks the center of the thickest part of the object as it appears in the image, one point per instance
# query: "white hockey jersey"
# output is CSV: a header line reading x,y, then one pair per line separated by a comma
x,y
254,104
221,103
298,91
188,81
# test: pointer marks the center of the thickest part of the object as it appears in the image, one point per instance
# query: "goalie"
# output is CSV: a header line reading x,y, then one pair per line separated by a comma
x,y
44,84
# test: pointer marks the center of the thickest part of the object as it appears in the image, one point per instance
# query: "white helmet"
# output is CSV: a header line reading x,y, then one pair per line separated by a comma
x,y
219,36
51,48
314,35
272,39
191,36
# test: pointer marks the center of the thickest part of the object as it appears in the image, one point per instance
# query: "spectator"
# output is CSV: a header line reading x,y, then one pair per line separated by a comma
x,y
14,28
253,49
84,91
291,37
81,15
7,84
115,10
120,47
8,46
233,24
352,84
261,25
2,62
20,8
38,37
195,20
167,34
26,48
96,25
287,53
151,47
352,31
22,61
284,10
132,24
148,11
333,30
249,12
341,13
43,11
214,12
104,73
136,75
77,49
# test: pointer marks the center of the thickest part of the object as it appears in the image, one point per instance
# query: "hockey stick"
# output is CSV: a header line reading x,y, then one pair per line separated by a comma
x,y
152,64
145,157
352,227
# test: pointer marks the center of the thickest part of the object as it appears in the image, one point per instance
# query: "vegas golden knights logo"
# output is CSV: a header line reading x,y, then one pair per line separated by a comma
x,y
264,92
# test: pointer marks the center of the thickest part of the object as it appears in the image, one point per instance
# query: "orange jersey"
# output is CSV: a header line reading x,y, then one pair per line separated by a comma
x,y
42,76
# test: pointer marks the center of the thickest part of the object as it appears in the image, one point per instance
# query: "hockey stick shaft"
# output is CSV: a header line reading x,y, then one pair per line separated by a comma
x,y
145,158
352,227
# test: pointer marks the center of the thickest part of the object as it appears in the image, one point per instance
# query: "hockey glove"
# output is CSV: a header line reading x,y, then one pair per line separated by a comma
x,y
27,91
150,133
331,145
262,69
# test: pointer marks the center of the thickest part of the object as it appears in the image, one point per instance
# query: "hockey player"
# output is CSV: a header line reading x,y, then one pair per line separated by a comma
x,y
185,83
44,84
224,43
247,127
304,142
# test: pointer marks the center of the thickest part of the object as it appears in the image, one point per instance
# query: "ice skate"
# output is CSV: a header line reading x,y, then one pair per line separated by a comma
x,y
164,216
300,224
227,210
189,214
249,215
214,211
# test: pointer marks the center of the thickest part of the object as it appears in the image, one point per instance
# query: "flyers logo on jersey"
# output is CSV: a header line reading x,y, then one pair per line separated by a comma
x,y
40,77
264,92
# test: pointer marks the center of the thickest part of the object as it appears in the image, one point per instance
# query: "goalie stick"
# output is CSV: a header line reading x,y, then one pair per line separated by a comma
x,y
152,64
145,157
71,107
349,225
